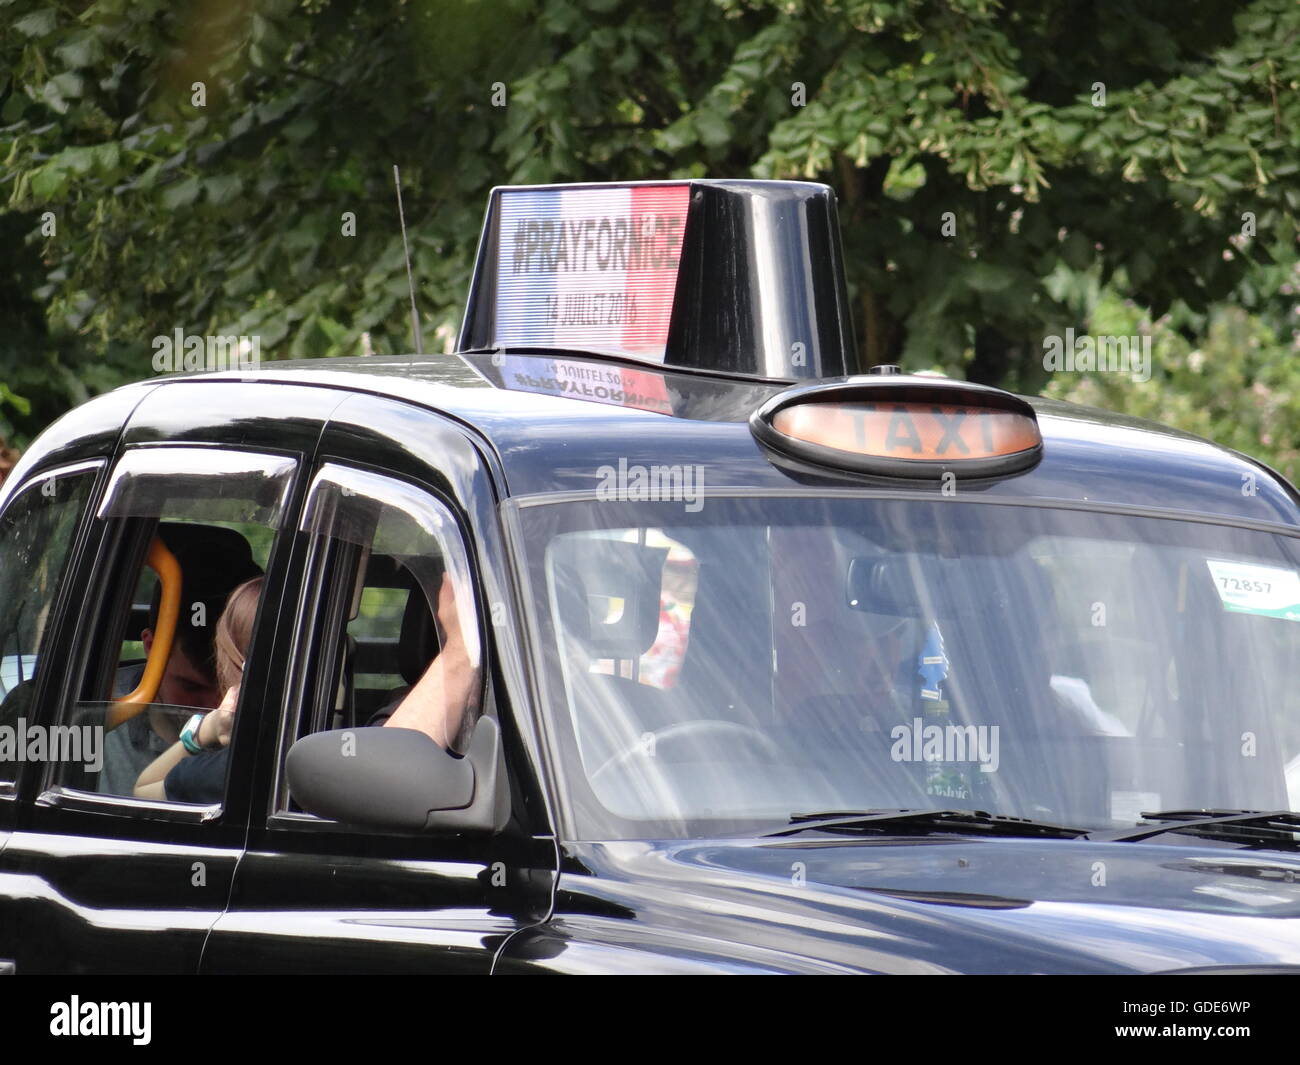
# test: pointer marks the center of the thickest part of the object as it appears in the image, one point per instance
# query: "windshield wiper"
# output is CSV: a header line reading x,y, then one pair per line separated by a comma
x,y
1276,827
1259,826
968,822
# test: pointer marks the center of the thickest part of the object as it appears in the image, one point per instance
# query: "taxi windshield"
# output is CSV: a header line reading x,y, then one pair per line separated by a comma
x,y
726,664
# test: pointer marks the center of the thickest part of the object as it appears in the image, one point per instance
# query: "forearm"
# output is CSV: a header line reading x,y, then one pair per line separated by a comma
x,y
437,704
150,782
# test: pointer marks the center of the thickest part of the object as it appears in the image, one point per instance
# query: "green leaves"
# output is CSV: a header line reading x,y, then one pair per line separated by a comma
x,y
81,49
712,129
38,23
983,197
985,278
904,177
318,335
181,194
222,189
9,397
47,183
1076,252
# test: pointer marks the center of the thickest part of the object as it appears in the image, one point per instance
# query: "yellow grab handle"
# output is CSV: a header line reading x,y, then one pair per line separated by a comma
x,y
163,563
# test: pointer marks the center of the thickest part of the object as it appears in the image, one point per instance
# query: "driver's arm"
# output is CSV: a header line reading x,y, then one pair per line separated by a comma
x,y
439,700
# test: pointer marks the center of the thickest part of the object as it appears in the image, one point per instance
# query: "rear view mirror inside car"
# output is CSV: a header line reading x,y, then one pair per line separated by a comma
x,y
917,586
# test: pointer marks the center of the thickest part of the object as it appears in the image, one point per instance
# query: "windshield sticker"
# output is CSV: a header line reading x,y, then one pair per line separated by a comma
x,y
1266,590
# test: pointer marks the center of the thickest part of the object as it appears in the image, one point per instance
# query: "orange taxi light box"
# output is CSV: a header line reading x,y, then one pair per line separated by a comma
x,y
921,431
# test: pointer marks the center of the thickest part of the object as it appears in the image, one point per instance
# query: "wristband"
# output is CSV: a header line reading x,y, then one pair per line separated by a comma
x,y
190,734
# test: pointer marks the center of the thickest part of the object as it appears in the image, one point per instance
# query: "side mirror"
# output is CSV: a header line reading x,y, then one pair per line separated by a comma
x,y
399,779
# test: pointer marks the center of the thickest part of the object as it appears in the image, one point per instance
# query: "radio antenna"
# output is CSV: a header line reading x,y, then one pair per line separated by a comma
x,y
410,277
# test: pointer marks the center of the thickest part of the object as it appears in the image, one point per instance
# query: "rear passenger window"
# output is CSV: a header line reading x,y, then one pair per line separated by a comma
x,y
37,533
189,535
389,631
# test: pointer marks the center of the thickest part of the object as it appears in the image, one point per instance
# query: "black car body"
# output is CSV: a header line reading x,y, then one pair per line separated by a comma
x,y
721,805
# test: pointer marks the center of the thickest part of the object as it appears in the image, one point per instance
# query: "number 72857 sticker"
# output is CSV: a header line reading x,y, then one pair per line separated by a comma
x,y
1248,589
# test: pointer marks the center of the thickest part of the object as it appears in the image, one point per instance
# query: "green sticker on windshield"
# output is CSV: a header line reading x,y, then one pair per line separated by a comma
x,y
1247,589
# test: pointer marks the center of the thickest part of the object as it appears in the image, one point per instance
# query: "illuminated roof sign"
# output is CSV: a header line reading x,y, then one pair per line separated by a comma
x,y
735,276
911,427
591,269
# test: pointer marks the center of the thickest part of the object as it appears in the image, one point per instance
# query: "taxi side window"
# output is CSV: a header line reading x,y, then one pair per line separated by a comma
x,y
388,591
188,536
37,532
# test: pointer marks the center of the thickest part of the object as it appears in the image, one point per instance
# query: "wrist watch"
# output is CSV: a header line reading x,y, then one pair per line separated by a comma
x,y
190,734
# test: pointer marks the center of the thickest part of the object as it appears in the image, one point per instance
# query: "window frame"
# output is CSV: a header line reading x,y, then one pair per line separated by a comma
x,y
97,466
105,581
315,631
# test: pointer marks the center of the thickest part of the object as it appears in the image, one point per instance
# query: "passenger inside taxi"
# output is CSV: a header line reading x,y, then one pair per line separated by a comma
x,y
202,777
213,561
193,769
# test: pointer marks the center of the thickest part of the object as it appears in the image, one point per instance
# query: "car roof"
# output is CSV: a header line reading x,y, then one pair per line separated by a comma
x,y
554,436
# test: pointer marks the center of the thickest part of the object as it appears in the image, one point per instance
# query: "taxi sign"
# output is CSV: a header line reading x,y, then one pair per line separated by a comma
x,y
589,268
902,427
735,277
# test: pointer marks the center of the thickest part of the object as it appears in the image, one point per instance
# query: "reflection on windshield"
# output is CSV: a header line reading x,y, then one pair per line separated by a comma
x,y
857,654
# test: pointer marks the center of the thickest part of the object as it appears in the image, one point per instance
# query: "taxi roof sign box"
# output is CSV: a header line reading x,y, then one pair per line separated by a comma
x,y
899,425
738,277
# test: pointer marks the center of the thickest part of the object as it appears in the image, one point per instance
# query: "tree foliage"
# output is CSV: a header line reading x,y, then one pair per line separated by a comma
x,y
1003,169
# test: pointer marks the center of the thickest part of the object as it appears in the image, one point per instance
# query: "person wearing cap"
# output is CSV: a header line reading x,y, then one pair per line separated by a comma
x,y
213,562
193,769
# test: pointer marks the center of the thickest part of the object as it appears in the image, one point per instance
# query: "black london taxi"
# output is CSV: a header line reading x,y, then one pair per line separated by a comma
x,y
643,633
